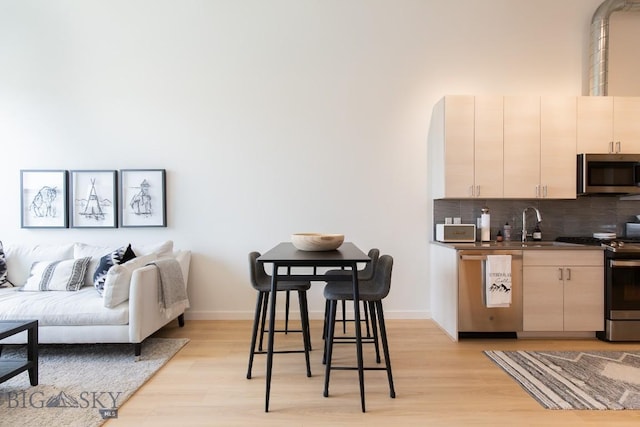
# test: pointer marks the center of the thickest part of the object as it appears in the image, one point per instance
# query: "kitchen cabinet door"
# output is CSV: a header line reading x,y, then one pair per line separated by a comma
x,y
488,147
563,291
451,147
595,124
608,124
522,147
466,147
542,299
557,147
583,299
626,124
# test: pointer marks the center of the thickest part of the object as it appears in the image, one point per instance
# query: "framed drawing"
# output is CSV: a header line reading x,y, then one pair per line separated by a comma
x,y
43,198
92,199
143,198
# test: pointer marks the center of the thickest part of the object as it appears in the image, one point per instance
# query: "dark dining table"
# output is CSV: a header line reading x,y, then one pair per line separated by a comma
x,y
292,264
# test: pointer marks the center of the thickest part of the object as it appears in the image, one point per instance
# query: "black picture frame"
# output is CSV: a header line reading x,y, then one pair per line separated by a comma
x,y
43,198
143,201
93,201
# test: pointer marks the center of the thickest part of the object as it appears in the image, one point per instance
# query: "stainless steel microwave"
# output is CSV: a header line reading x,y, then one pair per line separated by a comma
x,y
608,174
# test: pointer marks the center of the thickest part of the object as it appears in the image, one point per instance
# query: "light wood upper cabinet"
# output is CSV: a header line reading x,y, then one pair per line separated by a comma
x,y
557,147
540,147
488,147
563,291
626,124
608,124
521,146
451,152
466,147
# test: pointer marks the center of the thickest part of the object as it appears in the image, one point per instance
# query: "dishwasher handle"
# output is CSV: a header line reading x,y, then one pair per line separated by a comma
x,y
481,257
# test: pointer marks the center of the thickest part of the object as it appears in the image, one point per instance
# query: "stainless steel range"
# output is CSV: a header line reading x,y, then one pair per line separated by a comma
x,y
622,287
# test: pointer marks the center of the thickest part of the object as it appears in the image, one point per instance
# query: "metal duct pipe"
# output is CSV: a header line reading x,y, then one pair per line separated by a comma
x,y
598,70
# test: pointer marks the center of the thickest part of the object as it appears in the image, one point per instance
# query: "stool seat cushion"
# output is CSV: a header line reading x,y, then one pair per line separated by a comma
x,y
283,286
344,291
375,289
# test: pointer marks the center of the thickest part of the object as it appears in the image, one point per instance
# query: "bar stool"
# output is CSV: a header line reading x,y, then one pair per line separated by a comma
x,y
365,274
373,291
261,282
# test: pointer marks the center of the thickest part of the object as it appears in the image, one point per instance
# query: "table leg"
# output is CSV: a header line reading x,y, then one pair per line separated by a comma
x,y
356,308
272,327
32,354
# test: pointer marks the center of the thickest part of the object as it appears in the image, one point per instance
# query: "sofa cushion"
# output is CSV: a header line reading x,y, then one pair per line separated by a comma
x,y
64,275
161,249
118,256
4,281
118,280
81,250
21,257
80,308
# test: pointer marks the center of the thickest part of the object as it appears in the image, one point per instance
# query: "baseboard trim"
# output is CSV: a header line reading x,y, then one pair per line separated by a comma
x,y
294,315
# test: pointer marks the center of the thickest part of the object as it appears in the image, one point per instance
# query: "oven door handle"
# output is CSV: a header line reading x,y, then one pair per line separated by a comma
x,y
624,263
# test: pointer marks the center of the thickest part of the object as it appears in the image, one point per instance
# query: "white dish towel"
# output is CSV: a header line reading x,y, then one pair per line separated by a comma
x,y
498,281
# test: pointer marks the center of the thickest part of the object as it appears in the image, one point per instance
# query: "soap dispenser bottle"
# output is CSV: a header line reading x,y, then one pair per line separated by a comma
x,y
507,232
537,233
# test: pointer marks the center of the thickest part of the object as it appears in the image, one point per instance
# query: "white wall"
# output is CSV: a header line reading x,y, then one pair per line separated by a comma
x,y
270,116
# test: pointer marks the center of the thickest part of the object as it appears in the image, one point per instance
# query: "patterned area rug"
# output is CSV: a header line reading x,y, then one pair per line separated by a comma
x,y
575,379
80,384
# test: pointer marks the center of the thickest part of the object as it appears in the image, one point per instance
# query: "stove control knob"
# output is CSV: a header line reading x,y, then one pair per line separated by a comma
x,y
620,244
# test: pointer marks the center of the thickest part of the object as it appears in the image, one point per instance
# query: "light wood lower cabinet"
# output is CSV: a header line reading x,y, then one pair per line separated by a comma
x,y
563,291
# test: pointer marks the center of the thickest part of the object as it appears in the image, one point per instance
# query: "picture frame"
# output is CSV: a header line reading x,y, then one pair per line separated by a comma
x,y
143,198
93,199
43,198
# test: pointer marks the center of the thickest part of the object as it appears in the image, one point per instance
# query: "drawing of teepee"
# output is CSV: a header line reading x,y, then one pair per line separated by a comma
x,y
93,204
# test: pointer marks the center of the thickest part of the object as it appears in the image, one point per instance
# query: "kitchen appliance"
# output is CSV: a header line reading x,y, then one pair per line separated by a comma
x,y
621,286
456,233
608,174
633,230
474,317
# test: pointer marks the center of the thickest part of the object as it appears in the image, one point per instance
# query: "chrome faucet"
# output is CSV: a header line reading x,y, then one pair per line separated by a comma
x,y
524,221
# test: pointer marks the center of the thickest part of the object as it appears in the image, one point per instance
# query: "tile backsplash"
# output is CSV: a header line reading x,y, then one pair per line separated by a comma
x,y
581,217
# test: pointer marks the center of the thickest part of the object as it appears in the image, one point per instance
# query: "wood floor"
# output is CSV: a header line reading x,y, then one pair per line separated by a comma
x,y
438,383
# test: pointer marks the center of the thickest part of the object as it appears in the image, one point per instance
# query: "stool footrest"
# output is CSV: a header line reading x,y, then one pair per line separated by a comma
x,y
355,368
280,351
352,340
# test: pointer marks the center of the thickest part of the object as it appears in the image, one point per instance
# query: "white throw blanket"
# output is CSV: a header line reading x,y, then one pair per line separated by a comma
x,y
498,281
172,290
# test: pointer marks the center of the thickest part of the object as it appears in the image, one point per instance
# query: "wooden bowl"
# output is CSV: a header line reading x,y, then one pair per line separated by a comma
x,y
317,241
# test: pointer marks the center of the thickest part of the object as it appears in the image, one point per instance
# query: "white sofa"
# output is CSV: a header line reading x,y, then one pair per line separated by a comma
x,y
81,316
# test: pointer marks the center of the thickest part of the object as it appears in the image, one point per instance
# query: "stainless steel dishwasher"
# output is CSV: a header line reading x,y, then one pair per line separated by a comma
x,y
473,314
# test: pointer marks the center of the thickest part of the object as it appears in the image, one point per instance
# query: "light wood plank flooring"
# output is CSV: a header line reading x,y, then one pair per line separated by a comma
x,y
438,383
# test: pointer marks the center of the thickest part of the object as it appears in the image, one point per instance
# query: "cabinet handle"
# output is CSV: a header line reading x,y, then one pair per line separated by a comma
x,y
544,191
618,146
537,191
568,274
477,191
471,192
610,147
560,274
624,263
